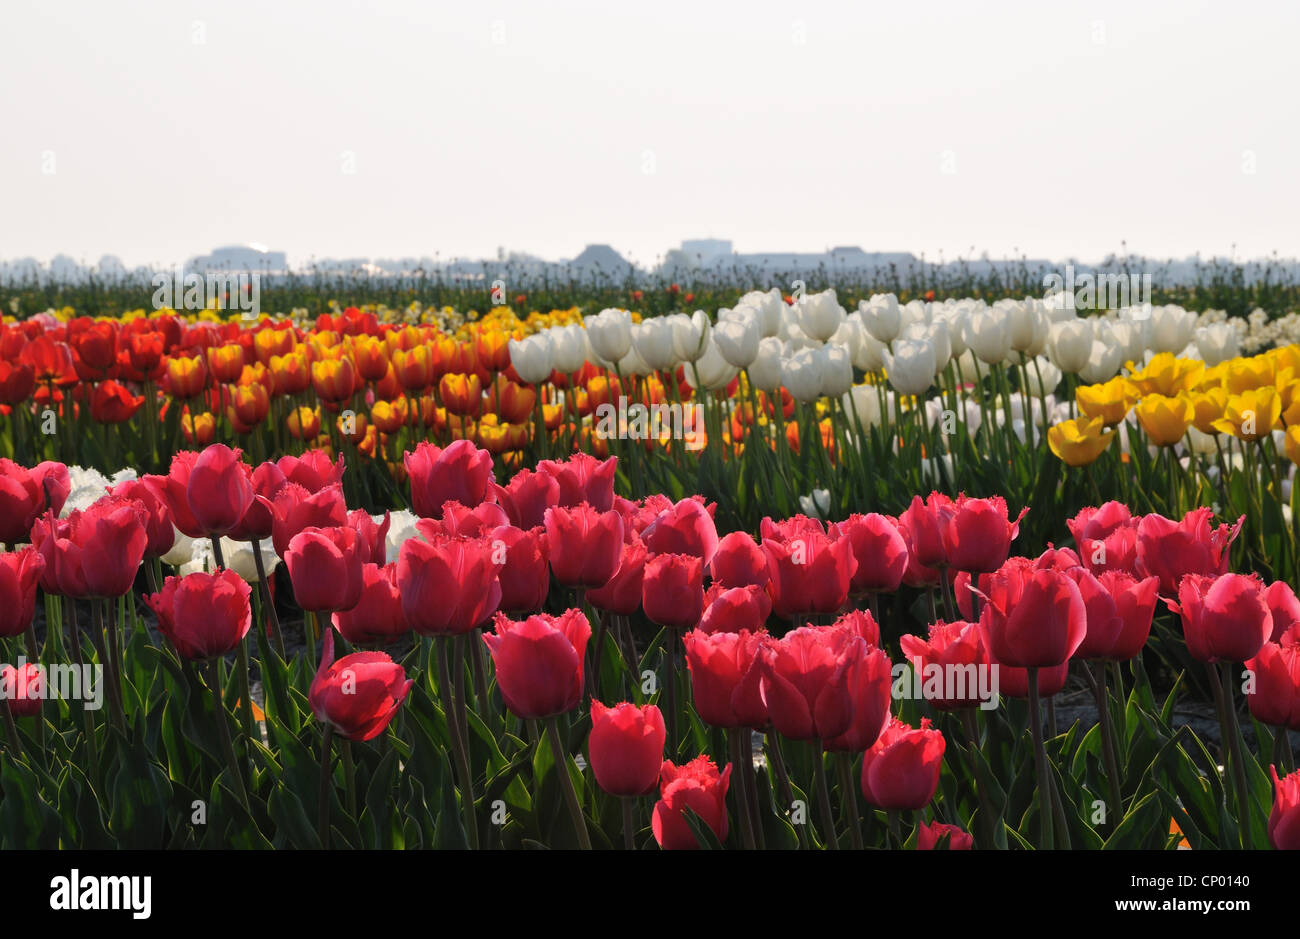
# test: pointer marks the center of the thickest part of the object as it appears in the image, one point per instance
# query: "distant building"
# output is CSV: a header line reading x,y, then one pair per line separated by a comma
x,y
241,258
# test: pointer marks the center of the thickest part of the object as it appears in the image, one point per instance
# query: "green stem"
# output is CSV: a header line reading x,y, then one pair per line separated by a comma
x,y
566,782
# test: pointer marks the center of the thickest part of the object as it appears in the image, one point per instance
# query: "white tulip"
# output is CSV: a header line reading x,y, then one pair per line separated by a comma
x,y
532,357
1041,376
765,371
182,549
911,366
569,348
937,335
770,306
801,374
690,335
737,338
653,341
711,370
1070,344
610,333
881,316
837,370
819,314
864,401
1104,362
1217,343
1172,328
988,334
633,364
401,528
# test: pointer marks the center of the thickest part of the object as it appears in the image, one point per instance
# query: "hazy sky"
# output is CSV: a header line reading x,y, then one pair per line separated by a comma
x,y
160,129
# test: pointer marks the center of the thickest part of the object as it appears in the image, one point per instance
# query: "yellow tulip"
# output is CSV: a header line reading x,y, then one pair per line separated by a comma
x,y
1168,375
1079,442
1110,401
1292,443
1252,414
1165,419
1248,373
1208,406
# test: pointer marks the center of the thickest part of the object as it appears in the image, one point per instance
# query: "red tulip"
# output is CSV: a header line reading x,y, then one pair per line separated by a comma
x,y
23,689
1284,606
978,534
810,574
20,571
1170,549
313,470
527,497
359,694
523,572
374,535
626,747
926,521
258,522
457,519
1284,819
378,617
539,662
219,489
1106,537
860,623
686,528
879,549
730,610
1224,617
583,478
929,834
726,676
294,509
585,545
112,403
112,536
1034,619
1135,602
672,590
449,586
158,515
173,487
901,770
1104,624
1274,693
461,472
622,594
698,786
21,501
325,568
952,649
738,561
53,480
870,682
61,571
204,615
805,682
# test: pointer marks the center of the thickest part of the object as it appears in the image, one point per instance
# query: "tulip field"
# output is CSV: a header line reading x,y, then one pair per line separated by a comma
x,y
925,574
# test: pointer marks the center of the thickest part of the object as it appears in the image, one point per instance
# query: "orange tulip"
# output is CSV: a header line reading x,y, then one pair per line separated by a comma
x,y
291,373
249,406
492,350
390,416
512,403
186,377
272,342
226,362
198,429
334,379
414,367
371,357
303,423
461,394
